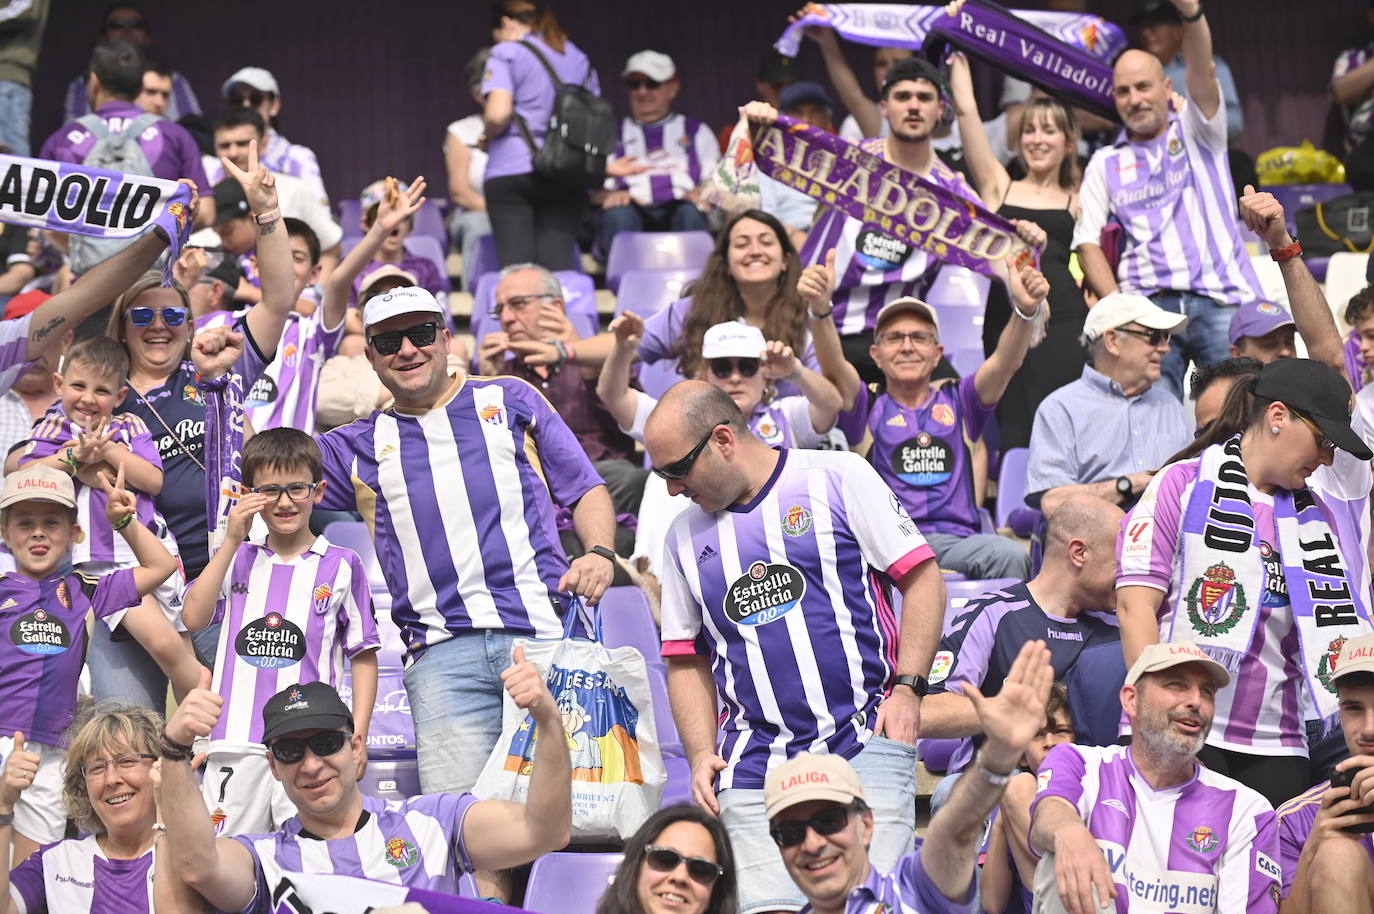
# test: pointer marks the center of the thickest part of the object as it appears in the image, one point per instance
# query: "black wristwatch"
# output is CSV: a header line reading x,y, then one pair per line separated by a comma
x,y
916,684
602,551
1123,487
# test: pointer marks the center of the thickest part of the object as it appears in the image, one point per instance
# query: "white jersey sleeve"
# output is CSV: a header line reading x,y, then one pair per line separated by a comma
x,y
680,612
886,534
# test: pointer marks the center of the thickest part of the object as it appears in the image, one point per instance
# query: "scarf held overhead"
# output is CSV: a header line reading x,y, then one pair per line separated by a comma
x,y
1226,573
63,197
903,208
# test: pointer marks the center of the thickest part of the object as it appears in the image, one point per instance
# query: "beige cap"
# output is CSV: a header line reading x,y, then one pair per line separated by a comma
x,y
1121,308
907,305
386,271
653,64
1175,653
810,777
1357,656
38,482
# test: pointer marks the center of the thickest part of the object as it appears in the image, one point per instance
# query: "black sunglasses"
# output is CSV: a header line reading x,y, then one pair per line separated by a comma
x,y
633,84
291,749
420,336
172,315
793,832
1153,337
680,468
252,99
723,368
665,860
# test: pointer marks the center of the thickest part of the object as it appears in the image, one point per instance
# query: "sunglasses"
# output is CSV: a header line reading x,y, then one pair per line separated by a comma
x,y
793,832
723,368
290,750
633,84
125,24
665,860
1323,442
296,491
420,336
252,99
680,468
1153,337
172,315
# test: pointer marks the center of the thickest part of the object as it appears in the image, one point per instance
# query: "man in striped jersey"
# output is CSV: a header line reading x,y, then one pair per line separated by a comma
x,y
777,606
1145,824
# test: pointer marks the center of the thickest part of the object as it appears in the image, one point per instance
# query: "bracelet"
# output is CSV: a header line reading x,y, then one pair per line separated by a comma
x,y
174,752
821,317
562,349
1287,252
6,819
219,383
992,777
272,215
1193,18
1029,317
572,353
123,522
73,465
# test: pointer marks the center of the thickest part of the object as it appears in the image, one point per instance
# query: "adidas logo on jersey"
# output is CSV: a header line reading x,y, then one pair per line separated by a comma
x,y
706,555
387,452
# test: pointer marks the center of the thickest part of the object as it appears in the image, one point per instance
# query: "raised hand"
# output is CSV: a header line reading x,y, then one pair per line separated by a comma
x,y
259,184
1011,718
242,514
960,77
1028,286
817,284
628,329
399,205
215,351
491,352
189,266
90,443
119,501
197,714
20,769
553,323
1031,232
1263,215
760,113
527,688
778,362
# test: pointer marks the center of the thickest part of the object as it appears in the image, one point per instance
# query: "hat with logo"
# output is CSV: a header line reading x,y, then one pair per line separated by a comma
x,y
653,64
405,300
907,305
310,706
775,68
257,77
386,271
1357,656
1318,391
1256,318
38,482
1158,657
810,777
230,202
733,339
800,93
1121,308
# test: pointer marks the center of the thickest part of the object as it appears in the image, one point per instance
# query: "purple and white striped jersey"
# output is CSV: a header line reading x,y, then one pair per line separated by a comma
x,y
288,158
416,842
1262,710
1296,819
790,596
461,504
1208,845
871,269
284,395
44,644
1175,200
285,622
908,889
14,350
679,151
75,876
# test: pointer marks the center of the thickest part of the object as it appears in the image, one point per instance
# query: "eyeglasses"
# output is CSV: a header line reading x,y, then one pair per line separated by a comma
x,y
172,315
518,303
1153,337
420,336
898,339
633,84
680,468
291,750
97,768
723,368
665,860
125,24
793,832
1323,442
296,491
252,98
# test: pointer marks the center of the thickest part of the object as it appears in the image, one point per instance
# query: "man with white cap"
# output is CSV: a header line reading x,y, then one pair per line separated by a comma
x,y
1326,835
256,88
677,150
1105,433
1146,824
1262,330
823,828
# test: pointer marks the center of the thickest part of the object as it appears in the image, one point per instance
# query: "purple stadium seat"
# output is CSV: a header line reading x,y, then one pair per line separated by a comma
x,y
1011,485
580,305
429,221
961,333
350,218
655,379
958,287
936,753
1294,197
484,261
645,292
421,246
628,621
354,535
669,743
678,788
569,883
656,251
392,778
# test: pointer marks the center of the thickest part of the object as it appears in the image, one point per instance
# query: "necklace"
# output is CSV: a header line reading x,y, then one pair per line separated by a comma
x,y
175,437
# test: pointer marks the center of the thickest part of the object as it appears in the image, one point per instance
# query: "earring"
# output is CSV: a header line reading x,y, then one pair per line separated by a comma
x,y
1274,429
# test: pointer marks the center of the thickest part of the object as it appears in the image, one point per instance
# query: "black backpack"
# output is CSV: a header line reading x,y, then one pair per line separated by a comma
x,y
1344,223
581,133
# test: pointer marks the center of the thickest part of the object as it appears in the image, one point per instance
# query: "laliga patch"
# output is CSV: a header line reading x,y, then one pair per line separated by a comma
x,y
1138,536
1042,780
270,643
923,461
940,667
765,593
263,393
40,632
877,251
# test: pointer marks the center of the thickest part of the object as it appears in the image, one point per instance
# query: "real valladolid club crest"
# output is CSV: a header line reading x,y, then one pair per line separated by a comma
x,y
1327,665
1216,602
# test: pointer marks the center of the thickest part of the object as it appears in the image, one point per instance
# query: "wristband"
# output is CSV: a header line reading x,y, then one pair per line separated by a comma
x,y
272,215
1287,252
602,551
123,522
6,819
219,383
1193,18
992,777
821,317
73,465
173,752
1029,317
562,349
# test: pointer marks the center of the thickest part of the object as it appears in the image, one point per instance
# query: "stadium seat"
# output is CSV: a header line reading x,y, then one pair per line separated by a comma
x,y
1012,510
1345,275
669,743
391,733
350,218
959,287
1294,197
646,292
656,251
678,788
628,621
936,753
429,222
353,534
569,883
391,778
579,302
961,333
484,261
421,246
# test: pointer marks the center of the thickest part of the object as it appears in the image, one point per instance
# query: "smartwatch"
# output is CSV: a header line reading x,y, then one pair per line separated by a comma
x,y
602,551
1123,487
916,684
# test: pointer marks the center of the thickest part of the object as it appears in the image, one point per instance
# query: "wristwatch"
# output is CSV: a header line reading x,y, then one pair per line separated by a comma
x,y
1123,487
602,551
1287,252
916,684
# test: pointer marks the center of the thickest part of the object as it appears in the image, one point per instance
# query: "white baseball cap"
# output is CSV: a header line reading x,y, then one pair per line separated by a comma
x,y
257,77
1157,657
386,271
653,64
404,300
733,339
1121,308
907,305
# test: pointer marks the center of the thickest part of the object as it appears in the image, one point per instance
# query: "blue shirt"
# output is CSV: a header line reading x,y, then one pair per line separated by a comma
x,y
905,890
1177,72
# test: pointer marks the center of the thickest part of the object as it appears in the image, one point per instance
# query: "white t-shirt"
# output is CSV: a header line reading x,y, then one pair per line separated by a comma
x,y
466,131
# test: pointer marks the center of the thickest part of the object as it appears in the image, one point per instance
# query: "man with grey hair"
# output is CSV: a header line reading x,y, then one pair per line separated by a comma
x,y
1105,433
529,306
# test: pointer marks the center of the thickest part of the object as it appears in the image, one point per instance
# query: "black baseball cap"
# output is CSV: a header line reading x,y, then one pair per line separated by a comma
x,y
1318,391
312,706
1156,12
230,203
915,68
775,68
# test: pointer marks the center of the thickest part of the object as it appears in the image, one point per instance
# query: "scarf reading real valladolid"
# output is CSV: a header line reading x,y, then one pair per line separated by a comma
x,y
1224,573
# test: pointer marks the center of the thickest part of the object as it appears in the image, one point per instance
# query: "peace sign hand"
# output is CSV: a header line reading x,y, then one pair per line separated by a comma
x,y
259,184
119,501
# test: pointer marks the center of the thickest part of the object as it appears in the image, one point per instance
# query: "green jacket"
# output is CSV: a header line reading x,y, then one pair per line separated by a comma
x,y
21,32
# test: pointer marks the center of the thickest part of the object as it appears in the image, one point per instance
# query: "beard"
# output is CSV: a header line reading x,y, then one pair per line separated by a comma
x,y
1155,728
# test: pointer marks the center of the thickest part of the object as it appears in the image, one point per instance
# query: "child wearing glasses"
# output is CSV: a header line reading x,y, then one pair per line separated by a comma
x,y
294,609
83,437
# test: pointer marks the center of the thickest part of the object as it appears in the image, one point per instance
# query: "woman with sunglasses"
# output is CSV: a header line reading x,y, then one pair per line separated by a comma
x,y
110,789
1232,548
679,862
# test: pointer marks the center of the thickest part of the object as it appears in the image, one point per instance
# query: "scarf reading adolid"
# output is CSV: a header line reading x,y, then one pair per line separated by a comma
x,y
1224,572
63,197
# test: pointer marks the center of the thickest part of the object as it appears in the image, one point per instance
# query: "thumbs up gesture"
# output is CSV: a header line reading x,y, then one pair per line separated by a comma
x,y
20,769
197,714
527,688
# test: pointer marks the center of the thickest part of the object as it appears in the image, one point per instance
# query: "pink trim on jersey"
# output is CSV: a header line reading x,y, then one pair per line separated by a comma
x,y
679,648
898,569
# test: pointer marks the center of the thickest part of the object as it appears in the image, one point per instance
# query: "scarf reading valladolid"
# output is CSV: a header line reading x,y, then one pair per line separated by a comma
x,y
1224,573
888,199
63,197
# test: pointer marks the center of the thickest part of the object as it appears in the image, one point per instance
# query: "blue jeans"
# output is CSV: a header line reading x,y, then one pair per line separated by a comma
x,y
123,671
981,556
673,216
1205,338
15,104
465,227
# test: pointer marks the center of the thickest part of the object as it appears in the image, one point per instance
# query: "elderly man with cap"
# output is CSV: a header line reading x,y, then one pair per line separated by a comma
x,y
678,151
1146,824
1108,431
256,88
823,827
1264,331
1326,835
425,841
